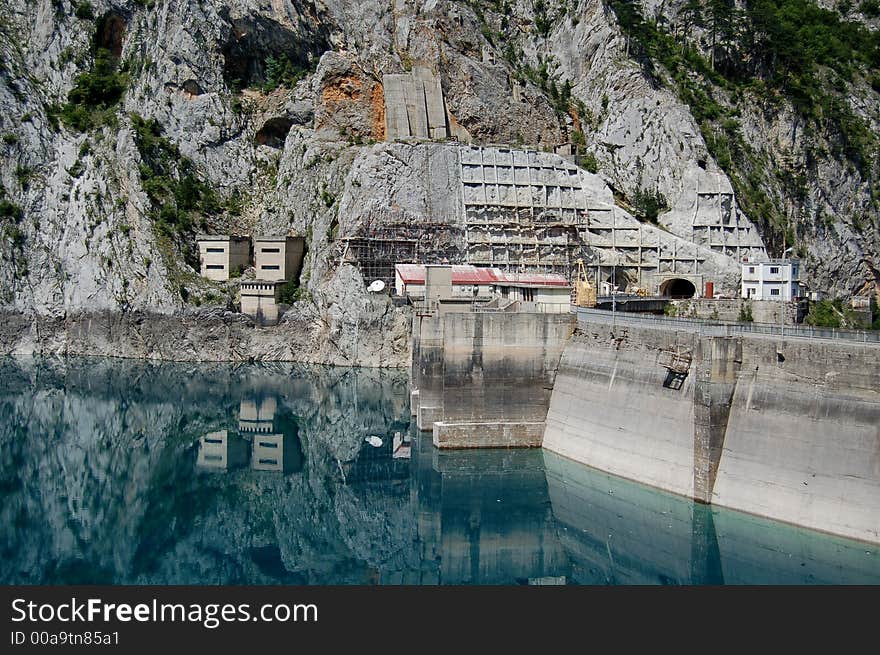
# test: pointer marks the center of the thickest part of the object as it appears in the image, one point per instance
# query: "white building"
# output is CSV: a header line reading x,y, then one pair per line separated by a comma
x,y
777,279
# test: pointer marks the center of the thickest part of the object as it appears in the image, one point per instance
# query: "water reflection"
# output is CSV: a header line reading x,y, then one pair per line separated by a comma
x,y
127,472
266,441
222,451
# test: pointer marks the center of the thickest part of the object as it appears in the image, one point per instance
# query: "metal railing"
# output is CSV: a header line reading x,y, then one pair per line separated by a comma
x,y
721,329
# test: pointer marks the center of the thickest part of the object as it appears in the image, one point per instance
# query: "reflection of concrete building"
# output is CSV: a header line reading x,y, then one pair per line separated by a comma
x,y
259,300
274,438
278,258
275,452
222,451
257,414
222,254
379,462
401,446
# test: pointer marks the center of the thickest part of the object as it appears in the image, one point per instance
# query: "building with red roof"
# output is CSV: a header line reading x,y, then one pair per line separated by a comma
x,y
481,283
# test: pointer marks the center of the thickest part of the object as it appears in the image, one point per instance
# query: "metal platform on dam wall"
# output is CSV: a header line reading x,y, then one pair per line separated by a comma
x,y
787,428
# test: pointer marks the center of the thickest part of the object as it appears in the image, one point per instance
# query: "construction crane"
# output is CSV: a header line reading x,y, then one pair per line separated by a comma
x,y
585,293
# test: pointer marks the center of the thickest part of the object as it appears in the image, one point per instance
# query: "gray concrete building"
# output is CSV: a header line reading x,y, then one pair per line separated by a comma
x,y
222,254
259,300
278,257
414,106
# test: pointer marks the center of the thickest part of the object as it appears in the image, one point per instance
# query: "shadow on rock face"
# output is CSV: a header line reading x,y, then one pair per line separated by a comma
x,y
110,33
274,132
254,40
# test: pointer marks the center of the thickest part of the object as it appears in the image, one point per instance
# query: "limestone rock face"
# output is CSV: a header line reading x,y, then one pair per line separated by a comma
x,y
279,109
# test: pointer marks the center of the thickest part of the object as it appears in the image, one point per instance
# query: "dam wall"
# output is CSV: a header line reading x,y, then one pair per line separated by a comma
x,y
786,428
484,379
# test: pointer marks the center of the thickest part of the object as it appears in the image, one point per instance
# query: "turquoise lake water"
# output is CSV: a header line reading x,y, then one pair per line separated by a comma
x,y
144,473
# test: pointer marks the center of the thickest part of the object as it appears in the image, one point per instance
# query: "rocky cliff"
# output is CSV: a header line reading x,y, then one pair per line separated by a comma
x,y
127,127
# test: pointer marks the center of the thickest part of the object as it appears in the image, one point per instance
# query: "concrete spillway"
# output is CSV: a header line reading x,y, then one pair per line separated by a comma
x,y
783,428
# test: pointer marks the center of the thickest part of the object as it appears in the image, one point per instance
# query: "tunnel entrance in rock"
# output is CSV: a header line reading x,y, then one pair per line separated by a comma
x,y
618,277
110,33
273,133
678,288
192,88
255,41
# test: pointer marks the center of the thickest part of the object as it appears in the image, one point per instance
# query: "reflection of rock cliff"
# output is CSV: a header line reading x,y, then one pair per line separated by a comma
x,y
109,472
101,478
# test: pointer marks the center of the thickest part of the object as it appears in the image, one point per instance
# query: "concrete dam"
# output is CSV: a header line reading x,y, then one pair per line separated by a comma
x,y
782,427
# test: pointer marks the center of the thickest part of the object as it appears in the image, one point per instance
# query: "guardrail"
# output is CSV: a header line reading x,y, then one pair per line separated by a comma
x,y
721,329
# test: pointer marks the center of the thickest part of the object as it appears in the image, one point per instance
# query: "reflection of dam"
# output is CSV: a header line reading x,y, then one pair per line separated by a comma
x,y
484,517
620,532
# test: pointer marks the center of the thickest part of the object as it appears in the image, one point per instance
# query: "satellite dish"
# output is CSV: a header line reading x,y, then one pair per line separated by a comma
x,y
376,286
374,441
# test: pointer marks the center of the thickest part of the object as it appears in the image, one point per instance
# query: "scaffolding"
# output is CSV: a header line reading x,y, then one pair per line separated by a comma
x,y
375,258
533,212
388,237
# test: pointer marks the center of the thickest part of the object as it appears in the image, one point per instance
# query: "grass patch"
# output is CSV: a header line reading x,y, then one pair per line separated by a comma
x,y
179,199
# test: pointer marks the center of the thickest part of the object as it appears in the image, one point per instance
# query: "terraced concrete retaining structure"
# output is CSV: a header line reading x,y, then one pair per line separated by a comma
x,y
484,379
784,428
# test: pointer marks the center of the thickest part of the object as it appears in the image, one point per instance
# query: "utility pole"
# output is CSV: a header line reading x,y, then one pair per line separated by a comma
x,y
614,291
782,292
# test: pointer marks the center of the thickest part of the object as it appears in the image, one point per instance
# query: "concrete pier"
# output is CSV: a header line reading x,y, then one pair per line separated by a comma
x,y
484,379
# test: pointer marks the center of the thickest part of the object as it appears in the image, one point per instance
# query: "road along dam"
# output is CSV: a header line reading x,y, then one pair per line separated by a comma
x,y
783,427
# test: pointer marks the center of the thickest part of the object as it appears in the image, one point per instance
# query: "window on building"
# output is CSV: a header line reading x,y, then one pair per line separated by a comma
x,y
774,270
751,269
216,249
270,267
774,292
271,250
215,267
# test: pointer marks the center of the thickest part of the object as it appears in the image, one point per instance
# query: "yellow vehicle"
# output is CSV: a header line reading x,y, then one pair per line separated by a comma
x,y
585,292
